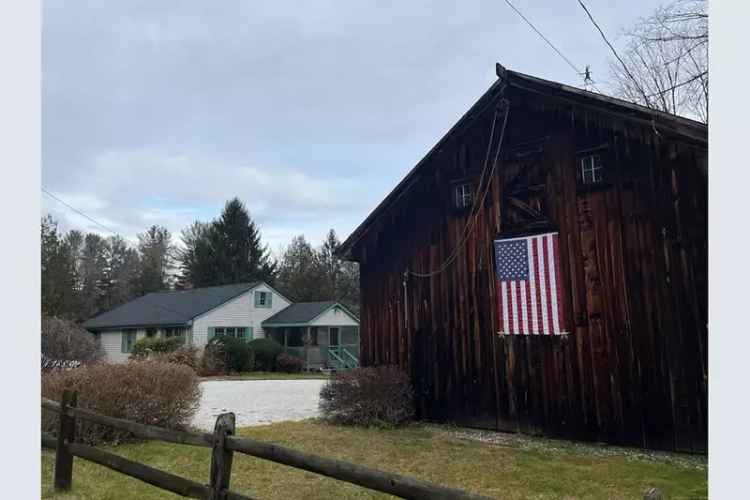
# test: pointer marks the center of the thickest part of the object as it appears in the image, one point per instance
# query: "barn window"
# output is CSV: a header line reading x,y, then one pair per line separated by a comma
x,y
592,169
463,195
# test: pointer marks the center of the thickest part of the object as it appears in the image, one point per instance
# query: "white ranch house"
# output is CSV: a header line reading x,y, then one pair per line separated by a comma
x,y
323,334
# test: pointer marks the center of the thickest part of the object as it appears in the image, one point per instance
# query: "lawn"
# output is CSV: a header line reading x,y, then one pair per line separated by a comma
x,y
511,467
270,376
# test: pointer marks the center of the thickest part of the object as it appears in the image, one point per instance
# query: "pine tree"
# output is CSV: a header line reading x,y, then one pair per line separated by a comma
x,y
229,250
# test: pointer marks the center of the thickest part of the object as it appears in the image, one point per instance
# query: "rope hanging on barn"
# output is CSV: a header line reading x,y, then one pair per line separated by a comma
x,y
478,202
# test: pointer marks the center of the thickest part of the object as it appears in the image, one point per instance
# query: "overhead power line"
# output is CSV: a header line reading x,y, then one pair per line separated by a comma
x,y
612,48
552,45
44,190
83,214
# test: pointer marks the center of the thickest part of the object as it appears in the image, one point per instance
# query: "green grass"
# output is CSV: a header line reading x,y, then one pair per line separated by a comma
x,y
269,376
519,469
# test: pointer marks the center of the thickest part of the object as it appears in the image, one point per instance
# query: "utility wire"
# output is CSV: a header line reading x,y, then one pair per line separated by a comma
x,y
478,203
612,48
44,190
573,66
81,213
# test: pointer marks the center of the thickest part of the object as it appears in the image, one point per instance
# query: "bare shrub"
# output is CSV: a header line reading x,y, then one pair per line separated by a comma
x,y
374,396
186,355
213,361
65,340
288,363
148,392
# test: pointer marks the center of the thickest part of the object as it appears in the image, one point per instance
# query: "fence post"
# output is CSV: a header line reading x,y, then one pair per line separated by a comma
x,y
65,435
221,457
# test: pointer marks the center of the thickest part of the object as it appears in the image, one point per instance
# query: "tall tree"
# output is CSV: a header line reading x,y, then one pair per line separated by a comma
x,y
156,254
192,237
92,271
308,274
301,276
58,272
121,273
229,250
667,56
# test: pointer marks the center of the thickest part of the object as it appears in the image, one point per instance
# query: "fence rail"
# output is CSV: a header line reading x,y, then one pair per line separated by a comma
x,y
223,444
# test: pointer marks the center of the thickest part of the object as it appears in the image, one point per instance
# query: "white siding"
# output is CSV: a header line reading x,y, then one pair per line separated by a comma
x,y
335,316
240,311
111,344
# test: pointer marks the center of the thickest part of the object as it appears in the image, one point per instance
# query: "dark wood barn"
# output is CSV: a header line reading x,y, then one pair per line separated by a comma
x,y
625,187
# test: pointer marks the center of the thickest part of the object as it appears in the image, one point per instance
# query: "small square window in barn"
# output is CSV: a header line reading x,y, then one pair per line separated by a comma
x,y
463,195
592,169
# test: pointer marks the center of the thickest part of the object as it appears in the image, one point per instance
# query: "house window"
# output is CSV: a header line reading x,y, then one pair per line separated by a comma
x,y
128,339
176,331
263,299
238,332
463,195
592,169
151,332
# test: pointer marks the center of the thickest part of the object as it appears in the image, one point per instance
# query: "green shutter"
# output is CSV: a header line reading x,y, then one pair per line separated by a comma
x,y
124,343
210,334
269,295
257,299
250,336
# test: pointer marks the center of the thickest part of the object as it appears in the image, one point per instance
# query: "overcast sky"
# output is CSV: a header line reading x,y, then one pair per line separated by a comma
x,y
157,112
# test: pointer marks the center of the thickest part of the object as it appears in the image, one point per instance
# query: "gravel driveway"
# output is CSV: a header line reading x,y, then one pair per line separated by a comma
x,y
257,402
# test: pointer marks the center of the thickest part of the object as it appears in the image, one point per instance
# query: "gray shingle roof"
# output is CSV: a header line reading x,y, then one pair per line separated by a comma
x,y
301,312
167,308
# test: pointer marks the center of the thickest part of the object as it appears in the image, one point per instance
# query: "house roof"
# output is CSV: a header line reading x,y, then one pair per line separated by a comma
x,y
168,308
663,122
302,313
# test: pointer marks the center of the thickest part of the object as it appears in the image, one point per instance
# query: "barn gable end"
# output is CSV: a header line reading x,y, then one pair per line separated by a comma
x,y
633,248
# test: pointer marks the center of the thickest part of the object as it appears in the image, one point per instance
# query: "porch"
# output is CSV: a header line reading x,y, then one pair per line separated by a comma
x,y
320,347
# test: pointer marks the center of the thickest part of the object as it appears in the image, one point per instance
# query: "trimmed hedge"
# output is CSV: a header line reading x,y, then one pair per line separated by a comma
x,y
148,392
379,396
237,354
266,351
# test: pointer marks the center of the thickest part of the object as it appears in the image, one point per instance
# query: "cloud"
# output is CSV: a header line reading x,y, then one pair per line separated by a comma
x,y
158,112
134,189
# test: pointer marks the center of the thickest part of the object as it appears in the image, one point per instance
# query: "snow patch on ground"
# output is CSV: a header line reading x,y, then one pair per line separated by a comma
x,y
257,402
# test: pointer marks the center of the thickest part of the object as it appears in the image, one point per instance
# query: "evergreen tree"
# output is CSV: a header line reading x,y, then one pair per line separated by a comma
x,y
156,256
58,272
192,236
229,250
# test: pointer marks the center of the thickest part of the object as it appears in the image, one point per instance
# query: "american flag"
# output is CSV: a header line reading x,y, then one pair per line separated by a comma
x,y
529,301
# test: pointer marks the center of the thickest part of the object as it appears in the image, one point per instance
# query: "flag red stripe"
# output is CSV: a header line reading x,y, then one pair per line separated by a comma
x,y
529,326
560,308
547,288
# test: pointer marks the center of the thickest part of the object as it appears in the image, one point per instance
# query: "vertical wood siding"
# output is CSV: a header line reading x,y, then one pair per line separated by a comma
x,y
634,279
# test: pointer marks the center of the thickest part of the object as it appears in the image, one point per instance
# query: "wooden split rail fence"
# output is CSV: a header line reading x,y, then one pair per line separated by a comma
x,y
223,444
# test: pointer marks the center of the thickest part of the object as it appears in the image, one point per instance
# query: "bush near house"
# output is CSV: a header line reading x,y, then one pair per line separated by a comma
x,y
148,345
149,392
288,363
64,340
187,355
237,354
379,396
266,351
